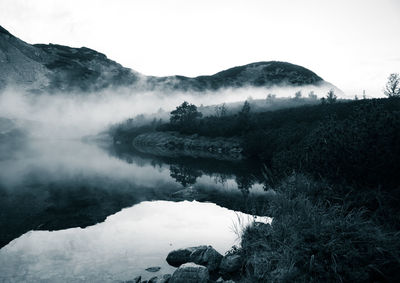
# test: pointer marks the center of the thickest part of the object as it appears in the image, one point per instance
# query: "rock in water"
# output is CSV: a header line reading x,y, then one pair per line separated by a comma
x,y
204,255
181,256
208,257
190,273
160,279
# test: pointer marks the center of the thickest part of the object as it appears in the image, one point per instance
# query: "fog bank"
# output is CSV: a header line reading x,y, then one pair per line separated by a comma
x,y
73,115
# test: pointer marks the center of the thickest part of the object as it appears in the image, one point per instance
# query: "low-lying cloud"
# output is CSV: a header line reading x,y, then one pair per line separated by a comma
x,y
73,115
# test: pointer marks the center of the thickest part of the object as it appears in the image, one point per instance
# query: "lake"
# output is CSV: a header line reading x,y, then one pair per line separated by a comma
x,y
74,211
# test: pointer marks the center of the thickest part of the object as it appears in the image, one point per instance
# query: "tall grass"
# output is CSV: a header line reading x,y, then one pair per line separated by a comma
x,y
313,239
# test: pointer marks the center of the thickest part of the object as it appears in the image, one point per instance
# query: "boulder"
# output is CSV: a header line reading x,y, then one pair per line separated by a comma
x,y
230,264
179,257
190,273
203,255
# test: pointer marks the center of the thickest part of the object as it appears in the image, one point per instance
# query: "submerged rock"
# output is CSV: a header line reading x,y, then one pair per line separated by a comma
x,y
204,255
190,273
134,280
153,269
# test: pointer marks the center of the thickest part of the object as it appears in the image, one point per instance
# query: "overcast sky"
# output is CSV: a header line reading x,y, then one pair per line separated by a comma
x,y
354,44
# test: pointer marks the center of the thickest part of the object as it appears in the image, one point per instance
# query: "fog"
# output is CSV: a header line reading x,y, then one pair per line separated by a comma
x,y
73,115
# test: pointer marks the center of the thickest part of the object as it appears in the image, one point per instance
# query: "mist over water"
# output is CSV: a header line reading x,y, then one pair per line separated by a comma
x,y
73,115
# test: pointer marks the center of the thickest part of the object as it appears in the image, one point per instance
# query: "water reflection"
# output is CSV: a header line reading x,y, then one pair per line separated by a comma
x,y
184,175
187,170
123,246
53,185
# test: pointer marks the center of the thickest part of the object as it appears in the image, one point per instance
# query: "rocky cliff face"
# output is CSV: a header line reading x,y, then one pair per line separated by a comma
x,y
21,63
57,68
54,68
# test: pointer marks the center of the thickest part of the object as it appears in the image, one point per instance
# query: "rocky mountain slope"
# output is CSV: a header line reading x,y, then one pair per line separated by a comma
x,y
55,68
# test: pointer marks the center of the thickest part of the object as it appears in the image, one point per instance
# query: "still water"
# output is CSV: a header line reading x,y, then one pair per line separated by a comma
x,y
72,211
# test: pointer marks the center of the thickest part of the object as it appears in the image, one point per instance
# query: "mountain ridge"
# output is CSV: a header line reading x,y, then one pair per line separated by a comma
x,y
57,68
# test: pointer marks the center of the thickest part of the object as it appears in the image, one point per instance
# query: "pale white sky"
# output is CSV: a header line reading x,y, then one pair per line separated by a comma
x,y
354,44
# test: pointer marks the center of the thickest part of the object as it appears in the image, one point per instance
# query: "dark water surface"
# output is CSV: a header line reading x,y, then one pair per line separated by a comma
x,y
72,211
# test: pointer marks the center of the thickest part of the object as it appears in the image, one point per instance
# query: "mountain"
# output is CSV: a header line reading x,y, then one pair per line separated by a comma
x,y
55,68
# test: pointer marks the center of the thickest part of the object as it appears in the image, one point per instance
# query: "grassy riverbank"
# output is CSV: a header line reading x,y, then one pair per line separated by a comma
x,y
319,234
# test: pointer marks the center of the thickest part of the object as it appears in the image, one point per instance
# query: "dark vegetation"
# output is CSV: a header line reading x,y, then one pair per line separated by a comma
x,y
335,169
319,234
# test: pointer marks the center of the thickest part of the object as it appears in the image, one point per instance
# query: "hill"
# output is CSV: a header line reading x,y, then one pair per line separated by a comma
x,y
55,68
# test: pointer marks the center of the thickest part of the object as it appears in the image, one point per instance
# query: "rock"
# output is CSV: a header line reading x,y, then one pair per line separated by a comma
x,y
230,264
165,278
208,257
203,255
220,280
181,256
190,273
160,279
153,269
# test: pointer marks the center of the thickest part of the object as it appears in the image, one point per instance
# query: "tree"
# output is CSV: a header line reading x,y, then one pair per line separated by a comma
x,y
184,115
245,112
312,95
271,97
220,110
331,97
244,117
184,175
392,87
